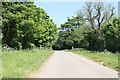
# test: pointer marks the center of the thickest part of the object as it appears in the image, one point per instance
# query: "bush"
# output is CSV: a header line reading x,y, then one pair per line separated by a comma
x,y
94,42
111,35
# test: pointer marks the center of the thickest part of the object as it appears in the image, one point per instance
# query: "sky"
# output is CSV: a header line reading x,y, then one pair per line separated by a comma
x,y
60,11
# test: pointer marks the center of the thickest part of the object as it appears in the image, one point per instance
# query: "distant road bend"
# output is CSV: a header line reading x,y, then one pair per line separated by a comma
x,y
68,65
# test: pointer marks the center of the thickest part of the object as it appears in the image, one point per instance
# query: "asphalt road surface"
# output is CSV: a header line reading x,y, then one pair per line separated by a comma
x,y
68,65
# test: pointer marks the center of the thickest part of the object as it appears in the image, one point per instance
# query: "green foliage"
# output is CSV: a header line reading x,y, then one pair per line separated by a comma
x,y
111,35
94,42
25,24
69,34
85,37
93,33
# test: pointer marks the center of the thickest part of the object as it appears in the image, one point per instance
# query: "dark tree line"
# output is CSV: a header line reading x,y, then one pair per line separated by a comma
x,y
94,28
26,26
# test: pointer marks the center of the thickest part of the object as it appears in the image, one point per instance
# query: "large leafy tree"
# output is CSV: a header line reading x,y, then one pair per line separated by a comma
x,y
111,35
69,35
98,29
97,15
26,26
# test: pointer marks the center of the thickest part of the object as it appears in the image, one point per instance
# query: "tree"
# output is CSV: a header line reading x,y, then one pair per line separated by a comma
x,y
111,35
96,15
97,30
68,36
26,26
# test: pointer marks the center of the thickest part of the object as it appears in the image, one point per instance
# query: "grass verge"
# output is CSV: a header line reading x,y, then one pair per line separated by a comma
x,y
0,64
17,63
0,56
105,58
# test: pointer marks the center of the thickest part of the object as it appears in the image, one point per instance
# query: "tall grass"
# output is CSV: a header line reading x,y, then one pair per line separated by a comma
x,y
105,58
0,55
17,63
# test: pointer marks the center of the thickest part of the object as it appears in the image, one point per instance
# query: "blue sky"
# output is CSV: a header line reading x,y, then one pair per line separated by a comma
x,y
59,11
